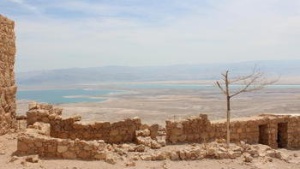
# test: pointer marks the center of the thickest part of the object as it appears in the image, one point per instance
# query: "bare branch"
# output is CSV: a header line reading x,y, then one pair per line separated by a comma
x,y
253,82
255,73
220,87
241,78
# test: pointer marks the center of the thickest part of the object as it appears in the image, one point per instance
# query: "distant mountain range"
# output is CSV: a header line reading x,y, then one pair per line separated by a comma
x,y
286,68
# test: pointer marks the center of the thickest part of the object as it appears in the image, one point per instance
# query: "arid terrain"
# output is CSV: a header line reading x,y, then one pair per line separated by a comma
x,y
157,105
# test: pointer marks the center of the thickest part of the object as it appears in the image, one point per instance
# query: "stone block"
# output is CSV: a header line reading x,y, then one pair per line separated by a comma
x,y
32,158
32,105
101,155
61,148
114,132
84,154
69,155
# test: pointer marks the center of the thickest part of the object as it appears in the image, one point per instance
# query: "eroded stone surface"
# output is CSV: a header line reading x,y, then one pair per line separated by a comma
x,y
273,130
7,75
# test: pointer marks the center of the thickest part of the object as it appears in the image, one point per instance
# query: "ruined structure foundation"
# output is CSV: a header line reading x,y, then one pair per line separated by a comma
x,y
50,135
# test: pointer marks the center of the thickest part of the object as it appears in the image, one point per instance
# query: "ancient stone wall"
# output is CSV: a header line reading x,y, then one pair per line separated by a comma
x,y
273,130
33,142
72,128
189,130
42,113
7,76
294,132
50,135
36,140
240,129
118,132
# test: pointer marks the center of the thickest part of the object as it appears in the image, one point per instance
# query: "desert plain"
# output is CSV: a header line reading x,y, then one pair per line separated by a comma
x,y
155,105
158,105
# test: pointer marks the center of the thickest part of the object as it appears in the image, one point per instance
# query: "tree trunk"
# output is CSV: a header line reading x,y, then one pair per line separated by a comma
x,y
228,122
228,109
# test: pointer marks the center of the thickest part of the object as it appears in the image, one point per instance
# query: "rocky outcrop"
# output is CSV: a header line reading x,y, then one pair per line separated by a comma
x,y
7,76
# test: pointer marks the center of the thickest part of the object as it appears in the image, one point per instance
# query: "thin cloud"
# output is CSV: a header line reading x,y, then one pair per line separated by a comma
x,y
85,33
23,4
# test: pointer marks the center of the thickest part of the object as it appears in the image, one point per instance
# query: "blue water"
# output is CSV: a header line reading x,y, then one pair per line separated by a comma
x,y
81,95
167,86
196,86
63,95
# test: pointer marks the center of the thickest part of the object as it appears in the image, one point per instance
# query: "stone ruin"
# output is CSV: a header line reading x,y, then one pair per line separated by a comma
x,y
72,128
50,135
7,76
277,131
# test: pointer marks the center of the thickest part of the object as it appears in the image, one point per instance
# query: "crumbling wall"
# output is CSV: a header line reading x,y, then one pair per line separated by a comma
x,y
240,130
117,132
190,130
50,135
36,140
32,142
200,130
73,128
7,76
42,113
273,130
294,132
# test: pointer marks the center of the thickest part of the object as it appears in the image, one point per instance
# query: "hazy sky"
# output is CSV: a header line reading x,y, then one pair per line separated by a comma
x,y
89,33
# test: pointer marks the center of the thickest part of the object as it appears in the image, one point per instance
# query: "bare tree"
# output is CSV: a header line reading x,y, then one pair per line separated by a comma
x,y
248,83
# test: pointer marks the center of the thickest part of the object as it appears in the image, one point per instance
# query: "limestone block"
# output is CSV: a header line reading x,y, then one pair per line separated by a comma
x,y
111,159
154,130
143,133
114,132
100,155
174,156
22,146
62,149
84,154
69,155
146,157
51,148
158,156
